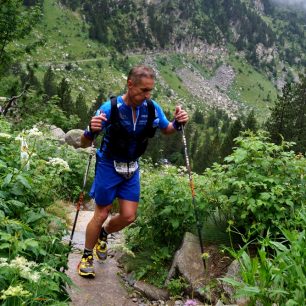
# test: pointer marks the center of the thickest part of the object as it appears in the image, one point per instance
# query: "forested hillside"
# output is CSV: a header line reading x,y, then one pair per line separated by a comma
x,y
251,26
224,61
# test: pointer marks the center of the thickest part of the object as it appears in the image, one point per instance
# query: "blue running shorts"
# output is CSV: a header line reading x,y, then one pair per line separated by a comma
x,y
108,184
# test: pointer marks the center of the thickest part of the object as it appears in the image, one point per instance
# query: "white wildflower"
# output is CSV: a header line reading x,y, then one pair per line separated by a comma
x,y
47,270
21,262
14,291
24,154
30,275
5,136
3,262
58,162
34,132
19,137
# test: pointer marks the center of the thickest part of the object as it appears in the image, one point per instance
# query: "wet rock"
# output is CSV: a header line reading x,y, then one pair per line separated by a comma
x,y
151,291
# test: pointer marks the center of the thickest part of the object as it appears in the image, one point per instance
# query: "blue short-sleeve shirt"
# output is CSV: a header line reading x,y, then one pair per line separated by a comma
x,y
126,119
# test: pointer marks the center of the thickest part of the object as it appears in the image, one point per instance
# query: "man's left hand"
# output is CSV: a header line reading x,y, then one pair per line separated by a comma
x,y
180,115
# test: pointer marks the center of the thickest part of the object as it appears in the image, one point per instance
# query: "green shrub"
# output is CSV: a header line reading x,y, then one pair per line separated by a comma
x,y
279,278
177,286
32,252
261,186
165,213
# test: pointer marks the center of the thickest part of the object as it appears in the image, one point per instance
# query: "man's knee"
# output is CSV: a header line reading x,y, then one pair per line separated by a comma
x,y
129,218
100,215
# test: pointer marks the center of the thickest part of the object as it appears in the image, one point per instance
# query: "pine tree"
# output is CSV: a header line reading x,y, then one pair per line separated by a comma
x,y
251,122
49,83
64,93
228,142
81,111
32,79
288,116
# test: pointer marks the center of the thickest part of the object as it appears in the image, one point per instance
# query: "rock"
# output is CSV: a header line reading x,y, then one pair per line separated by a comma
x,y
234,272
129,279
135,300
73,138
188,262
88,150
151,291
57,133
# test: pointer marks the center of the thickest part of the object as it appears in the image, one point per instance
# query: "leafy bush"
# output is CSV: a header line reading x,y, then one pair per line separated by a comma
x,y
165,210
177,286
165,213
279,278
32,253
260,188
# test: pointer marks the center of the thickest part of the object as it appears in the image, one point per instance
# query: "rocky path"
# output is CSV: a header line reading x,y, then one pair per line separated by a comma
x,y
111,286
107,288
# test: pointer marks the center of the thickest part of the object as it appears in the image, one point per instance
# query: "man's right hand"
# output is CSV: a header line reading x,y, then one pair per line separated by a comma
x,y
96,122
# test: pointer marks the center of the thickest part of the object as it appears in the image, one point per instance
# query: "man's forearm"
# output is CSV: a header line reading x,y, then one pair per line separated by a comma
x,y
169,129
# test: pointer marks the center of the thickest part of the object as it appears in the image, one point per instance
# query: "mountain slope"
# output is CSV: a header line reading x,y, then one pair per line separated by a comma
x,y
176,37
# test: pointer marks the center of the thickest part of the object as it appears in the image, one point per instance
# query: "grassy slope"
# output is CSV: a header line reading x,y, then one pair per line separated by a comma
x,y
67,41
251,87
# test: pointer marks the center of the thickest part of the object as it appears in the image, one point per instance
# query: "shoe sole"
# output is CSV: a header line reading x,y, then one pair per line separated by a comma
x,y
86,274
98,258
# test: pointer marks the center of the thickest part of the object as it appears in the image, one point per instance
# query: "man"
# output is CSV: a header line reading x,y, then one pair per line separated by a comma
x,y
128,122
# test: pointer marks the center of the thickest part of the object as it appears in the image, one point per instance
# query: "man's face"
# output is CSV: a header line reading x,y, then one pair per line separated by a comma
x,y
140,91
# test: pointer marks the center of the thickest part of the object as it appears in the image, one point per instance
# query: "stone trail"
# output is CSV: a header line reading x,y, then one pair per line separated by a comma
x,y
107,288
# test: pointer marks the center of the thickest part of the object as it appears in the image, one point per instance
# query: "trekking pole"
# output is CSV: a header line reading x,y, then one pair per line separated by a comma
x,y
193,194
81,197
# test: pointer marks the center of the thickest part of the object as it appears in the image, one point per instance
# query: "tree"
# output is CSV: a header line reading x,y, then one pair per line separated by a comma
x,y
31,78
49,83
81,111
288,116
251,122
228,142
15,23
64,93
198,117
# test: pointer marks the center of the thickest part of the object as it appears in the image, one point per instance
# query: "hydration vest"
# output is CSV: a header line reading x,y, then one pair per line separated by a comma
x,y
119,139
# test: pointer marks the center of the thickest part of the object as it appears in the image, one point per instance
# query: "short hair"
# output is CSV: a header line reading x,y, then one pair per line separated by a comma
x,y
141,71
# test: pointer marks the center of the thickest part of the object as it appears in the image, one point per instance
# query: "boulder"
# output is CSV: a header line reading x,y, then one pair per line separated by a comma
x,y
73,138
234,272
188,263
151,292
57,133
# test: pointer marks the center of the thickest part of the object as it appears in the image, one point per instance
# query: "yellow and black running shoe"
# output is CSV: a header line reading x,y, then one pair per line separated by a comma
x,y
100,249
86,267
